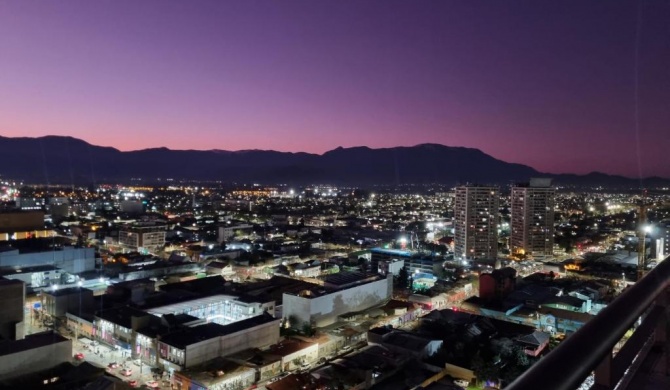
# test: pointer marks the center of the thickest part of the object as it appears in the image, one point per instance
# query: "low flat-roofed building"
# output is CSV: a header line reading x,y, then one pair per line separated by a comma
x,y
56,252
294,353
329,342
146,340
297,381
36,277
21,220
211,285
56,303
66,376
220,268
135,290
411,344
217,374
267,366
43,350
117,326
342,280
193,346
310,269
81,324
158,269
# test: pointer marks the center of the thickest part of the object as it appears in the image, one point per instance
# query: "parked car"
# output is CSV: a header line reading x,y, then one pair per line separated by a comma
x,y
462,382
127,372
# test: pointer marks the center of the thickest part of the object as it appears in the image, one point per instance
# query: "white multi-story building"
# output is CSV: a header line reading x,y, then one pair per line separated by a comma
x,y
148,237
342,293
532,224
476,222
228,232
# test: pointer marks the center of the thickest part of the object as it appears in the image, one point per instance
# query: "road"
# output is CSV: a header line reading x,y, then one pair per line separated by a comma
x,y
102,355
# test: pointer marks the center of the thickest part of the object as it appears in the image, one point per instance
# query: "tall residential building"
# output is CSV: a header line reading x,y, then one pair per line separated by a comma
x,y
533,219
476,222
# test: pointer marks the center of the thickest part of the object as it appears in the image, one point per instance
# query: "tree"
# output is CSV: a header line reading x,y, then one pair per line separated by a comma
x,y
503,347
485,369
308,330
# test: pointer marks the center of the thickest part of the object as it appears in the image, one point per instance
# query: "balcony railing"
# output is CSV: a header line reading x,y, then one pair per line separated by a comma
x,y
590,350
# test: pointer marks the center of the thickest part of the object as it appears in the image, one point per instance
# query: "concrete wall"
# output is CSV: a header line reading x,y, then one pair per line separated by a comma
x,y
256,337
324,310
308,355
35,360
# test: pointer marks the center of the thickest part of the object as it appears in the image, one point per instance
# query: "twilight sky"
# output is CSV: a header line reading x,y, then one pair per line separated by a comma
x,y
548,83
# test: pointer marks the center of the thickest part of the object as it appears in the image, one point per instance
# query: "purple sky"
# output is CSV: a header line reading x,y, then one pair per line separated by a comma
x,y
545,83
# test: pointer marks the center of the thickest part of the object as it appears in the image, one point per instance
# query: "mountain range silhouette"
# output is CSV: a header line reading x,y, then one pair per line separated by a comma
x,y
67,160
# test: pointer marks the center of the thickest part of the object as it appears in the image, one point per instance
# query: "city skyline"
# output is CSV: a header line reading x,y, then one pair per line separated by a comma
x,y
552,86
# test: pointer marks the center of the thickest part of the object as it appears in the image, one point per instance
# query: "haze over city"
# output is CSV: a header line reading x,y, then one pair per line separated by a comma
x,y
548,84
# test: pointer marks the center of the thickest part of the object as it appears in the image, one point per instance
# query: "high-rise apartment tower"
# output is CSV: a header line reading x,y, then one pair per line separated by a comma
x,y
532,233
476,222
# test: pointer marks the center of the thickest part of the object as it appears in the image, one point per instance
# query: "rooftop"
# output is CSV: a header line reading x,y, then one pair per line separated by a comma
x,y
66,291
178,308
19,270
32,341
204,286
8,282
121,315
255,357
188,336
342,279
407,341
215,371
288,347
536,338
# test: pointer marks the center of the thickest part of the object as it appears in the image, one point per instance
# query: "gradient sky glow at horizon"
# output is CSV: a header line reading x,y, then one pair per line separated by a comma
x,y
544,83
